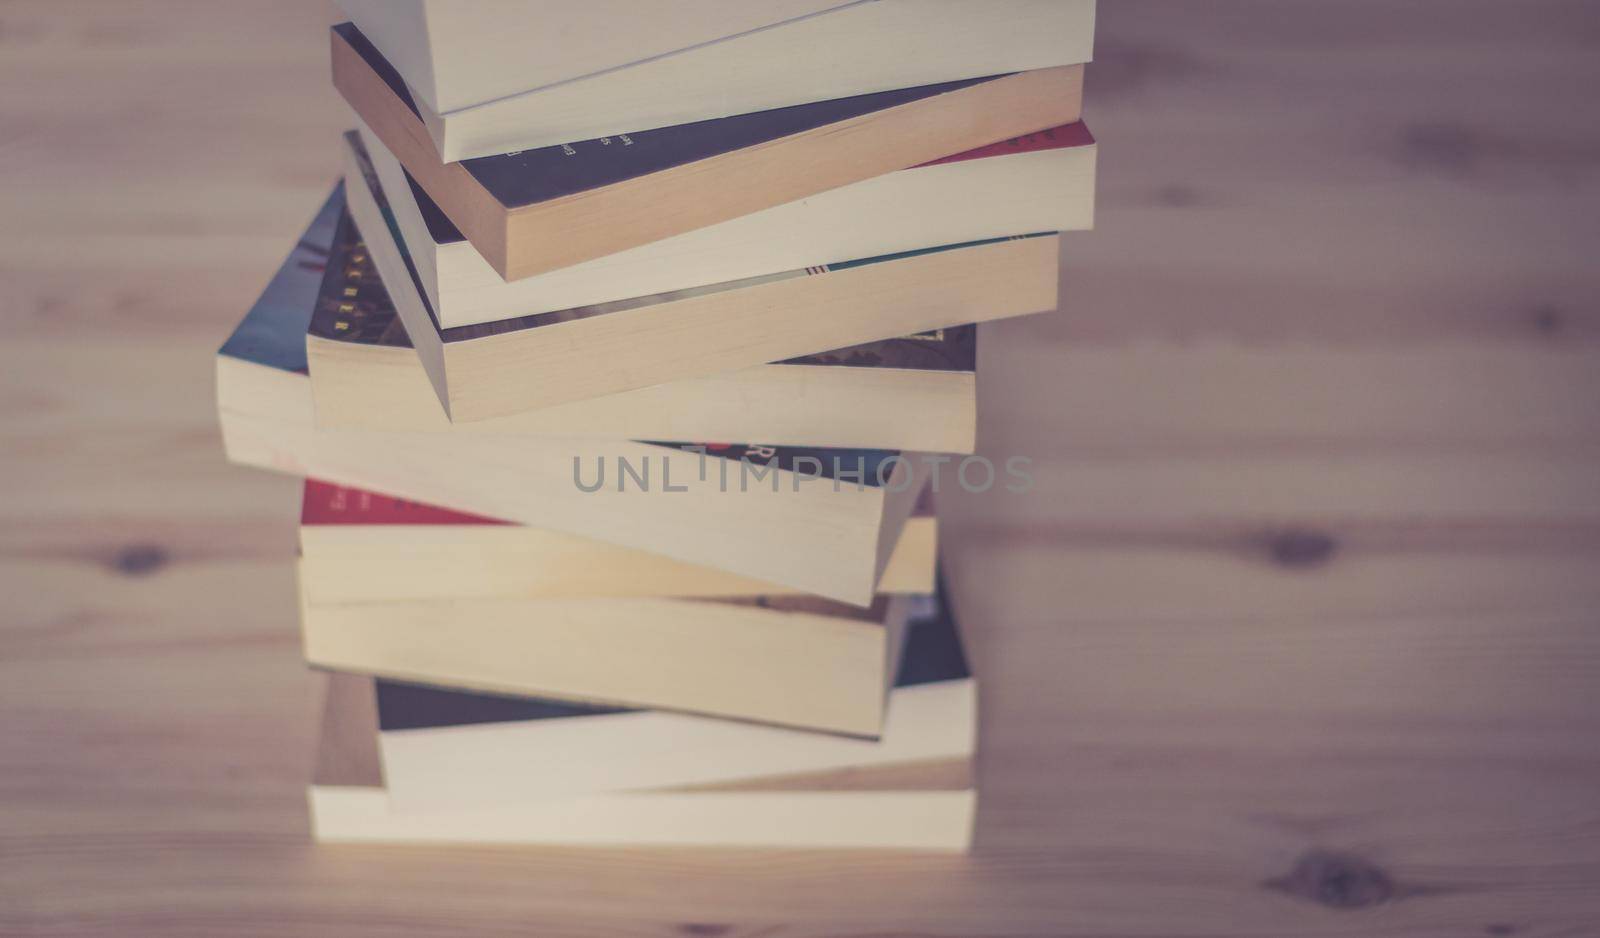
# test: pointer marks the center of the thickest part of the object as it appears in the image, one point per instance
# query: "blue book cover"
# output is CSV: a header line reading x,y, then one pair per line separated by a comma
x,y
273,332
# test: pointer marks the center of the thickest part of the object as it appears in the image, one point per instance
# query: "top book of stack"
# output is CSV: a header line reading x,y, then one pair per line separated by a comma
x,y
607,67
669,130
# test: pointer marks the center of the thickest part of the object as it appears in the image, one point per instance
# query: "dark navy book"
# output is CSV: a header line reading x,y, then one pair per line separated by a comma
x,y
352,305
932,654
528,177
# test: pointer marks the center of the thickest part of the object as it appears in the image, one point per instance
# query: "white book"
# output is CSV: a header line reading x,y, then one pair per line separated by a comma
x,y
786,660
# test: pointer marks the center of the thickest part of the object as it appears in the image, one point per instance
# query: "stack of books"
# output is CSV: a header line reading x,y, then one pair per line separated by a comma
x,y
620,368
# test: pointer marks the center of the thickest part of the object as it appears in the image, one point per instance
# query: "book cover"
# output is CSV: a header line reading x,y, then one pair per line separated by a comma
x,y
323,503
273,332
1075,134
352,304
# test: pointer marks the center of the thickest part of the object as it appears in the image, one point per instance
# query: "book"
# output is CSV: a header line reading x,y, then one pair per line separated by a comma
x,y
539,209
406,764
491,77
442,748
916,392
821,521
364,547
531,362
792,660
1043,181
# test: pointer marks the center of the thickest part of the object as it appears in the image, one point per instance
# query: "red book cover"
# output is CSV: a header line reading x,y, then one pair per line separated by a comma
x,y
326,503
1075,134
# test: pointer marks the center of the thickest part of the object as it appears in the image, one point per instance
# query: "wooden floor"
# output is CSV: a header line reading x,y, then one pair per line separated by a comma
x,y
1298,633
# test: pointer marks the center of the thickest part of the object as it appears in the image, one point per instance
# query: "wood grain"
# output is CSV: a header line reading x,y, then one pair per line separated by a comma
x,y
1296,633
